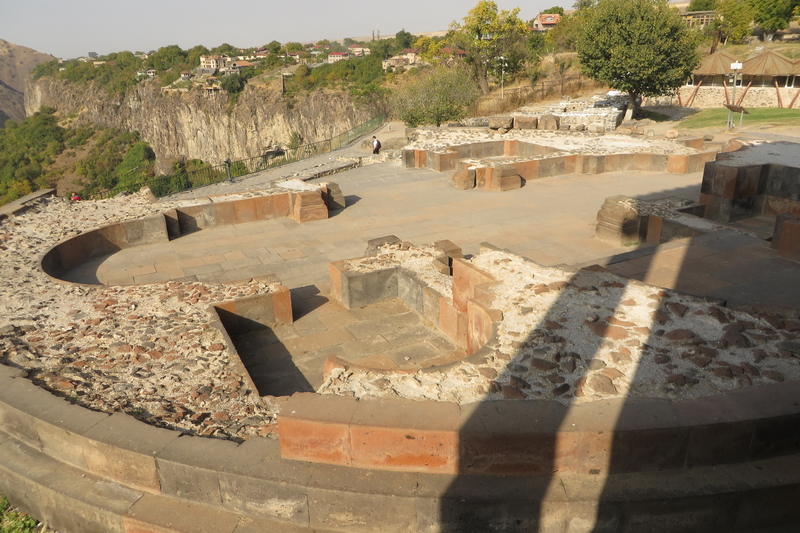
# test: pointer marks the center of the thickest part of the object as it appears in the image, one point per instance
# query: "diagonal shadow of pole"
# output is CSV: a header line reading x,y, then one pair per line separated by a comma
x,y
536,494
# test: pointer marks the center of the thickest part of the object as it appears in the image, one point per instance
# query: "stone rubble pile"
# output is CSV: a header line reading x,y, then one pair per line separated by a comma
x,y
147,350
588,335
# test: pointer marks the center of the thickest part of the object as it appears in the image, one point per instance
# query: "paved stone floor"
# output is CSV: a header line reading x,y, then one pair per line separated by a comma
x,y
550,221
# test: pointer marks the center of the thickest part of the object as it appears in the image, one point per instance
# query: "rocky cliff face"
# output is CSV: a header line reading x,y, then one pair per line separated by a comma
x,y
194,124
15,64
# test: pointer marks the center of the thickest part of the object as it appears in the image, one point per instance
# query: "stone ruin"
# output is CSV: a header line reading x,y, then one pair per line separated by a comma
x,y
582,398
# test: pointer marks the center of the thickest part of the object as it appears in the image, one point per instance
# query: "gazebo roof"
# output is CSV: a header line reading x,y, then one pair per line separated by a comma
x,y
768,64
716,63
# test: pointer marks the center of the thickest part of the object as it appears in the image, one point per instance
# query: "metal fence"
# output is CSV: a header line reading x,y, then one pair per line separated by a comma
x,y
209,174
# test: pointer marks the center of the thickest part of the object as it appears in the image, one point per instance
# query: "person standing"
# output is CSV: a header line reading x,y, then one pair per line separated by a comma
x,y
376,145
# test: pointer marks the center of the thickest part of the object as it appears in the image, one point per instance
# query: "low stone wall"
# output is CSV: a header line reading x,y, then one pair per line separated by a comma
x,y
543,163
303,206
492,437
710,97
733,191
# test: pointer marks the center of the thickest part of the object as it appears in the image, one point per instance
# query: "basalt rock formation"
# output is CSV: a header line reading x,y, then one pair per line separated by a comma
x,y
200,124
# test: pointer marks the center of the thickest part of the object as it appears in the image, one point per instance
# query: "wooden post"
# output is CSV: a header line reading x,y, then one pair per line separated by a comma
x,y
741,98
778,90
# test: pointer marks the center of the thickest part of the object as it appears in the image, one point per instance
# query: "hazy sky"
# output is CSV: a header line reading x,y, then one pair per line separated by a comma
x,y
72,28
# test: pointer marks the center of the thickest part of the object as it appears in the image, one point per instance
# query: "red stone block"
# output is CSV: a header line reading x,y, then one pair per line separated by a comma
x,y
315,427
309,206
786,237
406,435
420,158
245,210
528,170
510,148
335,271
224,213
282,305
465,278
654,225
450,323
678,164
480,326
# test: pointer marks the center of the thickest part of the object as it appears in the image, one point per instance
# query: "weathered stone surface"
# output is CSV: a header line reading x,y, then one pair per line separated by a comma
x,y
549,123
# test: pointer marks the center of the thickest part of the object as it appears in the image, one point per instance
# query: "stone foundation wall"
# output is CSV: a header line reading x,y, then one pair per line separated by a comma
x,y
707,97
302,206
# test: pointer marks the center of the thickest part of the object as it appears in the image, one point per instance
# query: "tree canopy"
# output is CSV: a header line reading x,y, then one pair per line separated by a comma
x,y
487,34
434,96
641,47
772,15
702,5
733,20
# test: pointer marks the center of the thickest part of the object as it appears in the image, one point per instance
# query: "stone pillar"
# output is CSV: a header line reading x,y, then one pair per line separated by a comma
x,y
619,223
786,236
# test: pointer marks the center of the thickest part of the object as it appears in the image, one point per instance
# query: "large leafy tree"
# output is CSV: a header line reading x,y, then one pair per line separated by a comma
x,y
487,34
641,47
434,96
772,15
702,5
733,19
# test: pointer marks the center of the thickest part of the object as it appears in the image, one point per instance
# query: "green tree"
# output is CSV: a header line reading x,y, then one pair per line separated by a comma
x,y
564,36
293,47
555,9
403,39
702,5
435,96
733,19
274,47
487,34
641,47
233,83
772,15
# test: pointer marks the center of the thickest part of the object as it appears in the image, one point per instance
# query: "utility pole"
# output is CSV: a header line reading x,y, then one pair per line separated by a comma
x,y
502,76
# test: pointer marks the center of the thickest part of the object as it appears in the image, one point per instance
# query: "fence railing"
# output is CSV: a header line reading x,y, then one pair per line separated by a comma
x,y
210,174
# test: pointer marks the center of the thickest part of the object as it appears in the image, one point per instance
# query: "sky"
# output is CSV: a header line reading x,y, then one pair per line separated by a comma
x,y
73,28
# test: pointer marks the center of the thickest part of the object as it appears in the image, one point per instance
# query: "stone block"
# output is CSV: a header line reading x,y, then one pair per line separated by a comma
x,y
678,163
406,435
184,469
786,236
526,123
510,147
374,245
157,514
364,288
332,194
309,206
196,217
314,427
420,159
444,161
224,213
409,290
123,449
173,226
360,512
452,323
577,127
61,429
619,223
72,500
430,306
464,179
502,178
549,123
719,180
147,230
496,123
596,128
409,158
20,403
698,143
480,326
466,278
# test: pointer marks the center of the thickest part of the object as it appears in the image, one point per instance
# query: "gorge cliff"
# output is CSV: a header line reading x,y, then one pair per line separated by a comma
x,y
195,124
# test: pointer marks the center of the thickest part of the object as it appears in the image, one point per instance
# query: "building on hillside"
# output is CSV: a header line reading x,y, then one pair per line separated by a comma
x,y
699,19
455,53
334,57
237,66
545,21
186,75
359,50
410,54
215,62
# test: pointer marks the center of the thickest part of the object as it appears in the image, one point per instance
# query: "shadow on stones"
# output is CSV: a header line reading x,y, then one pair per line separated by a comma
x,y
507,497
268,361
306,300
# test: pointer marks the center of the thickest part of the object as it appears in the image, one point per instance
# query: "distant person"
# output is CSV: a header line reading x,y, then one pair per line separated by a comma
x,y
75,197
376,145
